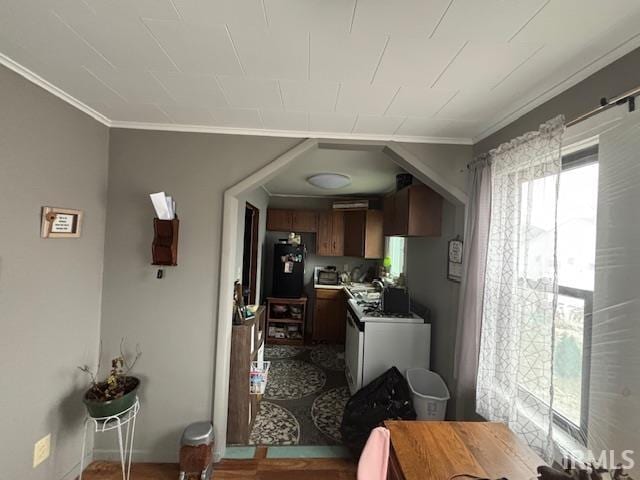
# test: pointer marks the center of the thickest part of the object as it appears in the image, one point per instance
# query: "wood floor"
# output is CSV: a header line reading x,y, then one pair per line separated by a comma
x,y
259,468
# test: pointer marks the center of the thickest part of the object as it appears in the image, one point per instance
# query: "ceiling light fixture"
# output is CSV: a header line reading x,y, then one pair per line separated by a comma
x,y
329,181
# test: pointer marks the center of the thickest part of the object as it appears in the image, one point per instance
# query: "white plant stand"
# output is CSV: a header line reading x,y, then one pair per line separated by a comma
x,y
115,422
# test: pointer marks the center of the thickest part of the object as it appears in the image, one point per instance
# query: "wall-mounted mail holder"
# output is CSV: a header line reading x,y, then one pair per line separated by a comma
x,y
164,249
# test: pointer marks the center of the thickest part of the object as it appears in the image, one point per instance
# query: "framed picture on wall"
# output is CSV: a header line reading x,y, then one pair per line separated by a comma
x,y
60,222
454,267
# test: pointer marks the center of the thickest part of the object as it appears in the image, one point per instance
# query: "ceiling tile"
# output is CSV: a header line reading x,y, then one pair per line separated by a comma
x,y
415,60
419,101
438,127
471,106
345,57
574,20
43,34
192,90
331,122
197,48
377,124
134,86
309,96
131,47
471,69
364,98
310,15
273,54
490,20
404,17
129,112
245,92
421,126
238,117
279,120
159,9
248,13
188,115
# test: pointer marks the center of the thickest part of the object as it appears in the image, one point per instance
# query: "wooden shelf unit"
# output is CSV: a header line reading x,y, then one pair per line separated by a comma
x,y
273,321
243,406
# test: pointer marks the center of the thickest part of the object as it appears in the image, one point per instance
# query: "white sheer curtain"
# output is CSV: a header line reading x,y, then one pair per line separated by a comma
x,y
515,370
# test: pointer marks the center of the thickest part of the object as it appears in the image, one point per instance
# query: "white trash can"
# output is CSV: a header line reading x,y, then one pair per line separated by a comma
x,y
429,393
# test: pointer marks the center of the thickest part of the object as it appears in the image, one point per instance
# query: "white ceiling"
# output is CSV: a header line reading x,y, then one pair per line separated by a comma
x,y
413,70
371,172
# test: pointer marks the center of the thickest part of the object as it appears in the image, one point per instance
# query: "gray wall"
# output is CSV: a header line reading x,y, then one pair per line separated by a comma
x,y
428,285
51,154
178,314
614,79
173,319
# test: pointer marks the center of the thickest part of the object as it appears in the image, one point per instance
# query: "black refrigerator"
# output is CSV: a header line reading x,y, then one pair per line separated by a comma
x,y
288,270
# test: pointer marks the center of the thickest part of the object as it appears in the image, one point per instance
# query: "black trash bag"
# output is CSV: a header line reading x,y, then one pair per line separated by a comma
x,y
388,397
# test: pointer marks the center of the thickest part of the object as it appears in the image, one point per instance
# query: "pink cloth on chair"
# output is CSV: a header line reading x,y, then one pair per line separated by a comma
x,y
375,456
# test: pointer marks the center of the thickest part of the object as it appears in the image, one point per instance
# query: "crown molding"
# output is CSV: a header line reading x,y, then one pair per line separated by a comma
x,y
49,87
611,56
265,132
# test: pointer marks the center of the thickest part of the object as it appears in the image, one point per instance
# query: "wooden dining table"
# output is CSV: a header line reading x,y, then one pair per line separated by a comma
x,y
441,450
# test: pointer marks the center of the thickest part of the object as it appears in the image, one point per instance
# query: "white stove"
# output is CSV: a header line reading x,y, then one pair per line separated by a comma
x,y
376,341
366,311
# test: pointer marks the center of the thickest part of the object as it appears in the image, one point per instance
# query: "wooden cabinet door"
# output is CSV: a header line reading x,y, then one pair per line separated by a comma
x,y
354,233
373,234
337,233
324,239
279,220
304,221
330,316
390,224
424,212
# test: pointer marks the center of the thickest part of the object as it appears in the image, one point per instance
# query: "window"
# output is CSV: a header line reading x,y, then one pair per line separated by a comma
x,y
395,251
576,242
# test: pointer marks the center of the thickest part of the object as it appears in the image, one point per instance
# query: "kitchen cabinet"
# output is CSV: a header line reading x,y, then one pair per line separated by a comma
x,y
414,211
284,220
329,316
363,233
330,240
304,221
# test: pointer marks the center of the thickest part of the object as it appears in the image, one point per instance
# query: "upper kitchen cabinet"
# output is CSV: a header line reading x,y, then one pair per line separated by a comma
x,y
363,233
330,241
299,221
414,211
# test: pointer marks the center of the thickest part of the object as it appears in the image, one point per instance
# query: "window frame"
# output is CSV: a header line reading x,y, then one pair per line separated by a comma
x,y
577,159
580,158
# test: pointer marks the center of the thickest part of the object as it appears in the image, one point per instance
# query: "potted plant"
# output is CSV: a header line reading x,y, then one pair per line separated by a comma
x,y
117,392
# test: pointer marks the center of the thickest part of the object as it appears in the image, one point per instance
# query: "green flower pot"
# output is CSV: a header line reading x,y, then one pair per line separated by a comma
x,y
98,409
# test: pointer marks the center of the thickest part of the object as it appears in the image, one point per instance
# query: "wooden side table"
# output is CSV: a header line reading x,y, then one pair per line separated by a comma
x,y
286,328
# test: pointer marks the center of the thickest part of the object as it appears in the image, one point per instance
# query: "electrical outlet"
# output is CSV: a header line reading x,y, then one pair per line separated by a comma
x,y
41,450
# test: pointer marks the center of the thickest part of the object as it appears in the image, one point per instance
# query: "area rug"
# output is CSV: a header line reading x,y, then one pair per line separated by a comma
x,y
305,397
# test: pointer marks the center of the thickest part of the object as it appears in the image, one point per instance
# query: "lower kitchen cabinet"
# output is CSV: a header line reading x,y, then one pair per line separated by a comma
x,y
329,316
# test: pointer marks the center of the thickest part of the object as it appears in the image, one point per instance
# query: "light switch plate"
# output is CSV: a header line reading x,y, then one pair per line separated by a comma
x,y
41,450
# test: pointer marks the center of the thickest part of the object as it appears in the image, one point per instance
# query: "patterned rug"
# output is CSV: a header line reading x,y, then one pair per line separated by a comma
x,y
305,397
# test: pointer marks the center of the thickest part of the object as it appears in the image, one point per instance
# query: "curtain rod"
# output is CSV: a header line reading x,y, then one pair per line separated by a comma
x,y
628,97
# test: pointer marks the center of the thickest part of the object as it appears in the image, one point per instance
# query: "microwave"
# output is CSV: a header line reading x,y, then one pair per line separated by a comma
x,y
327,276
